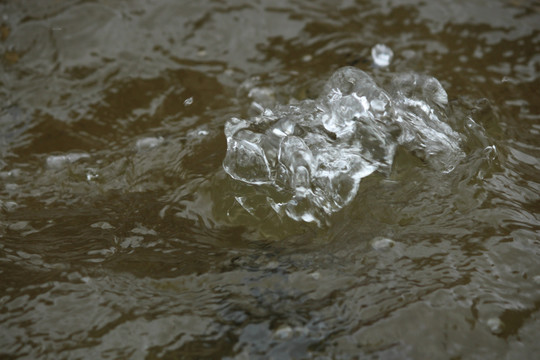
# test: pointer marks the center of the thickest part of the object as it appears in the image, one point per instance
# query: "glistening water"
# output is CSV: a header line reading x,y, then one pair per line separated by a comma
x,y
270,179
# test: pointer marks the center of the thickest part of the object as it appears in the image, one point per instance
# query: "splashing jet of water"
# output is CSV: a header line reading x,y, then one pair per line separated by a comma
x,y
308,158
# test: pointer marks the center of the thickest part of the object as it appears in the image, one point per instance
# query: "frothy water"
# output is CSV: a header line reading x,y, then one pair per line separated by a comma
x,y
308,158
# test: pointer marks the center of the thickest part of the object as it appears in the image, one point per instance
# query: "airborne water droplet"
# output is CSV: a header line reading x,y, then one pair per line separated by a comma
x,y
382,55
316,152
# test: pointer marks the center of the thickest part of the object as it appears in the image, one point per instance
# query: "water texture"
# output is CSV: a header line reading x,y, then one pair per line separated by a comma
x,y
271,179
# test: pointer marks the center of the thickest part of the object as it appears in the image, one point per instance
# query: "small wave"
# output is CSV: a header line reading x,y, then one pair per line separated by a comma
x,y
308,158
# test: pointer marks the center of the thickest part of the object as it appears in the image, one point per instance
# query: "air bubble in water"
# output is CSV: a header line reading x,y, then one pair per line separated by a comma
x,y
382,55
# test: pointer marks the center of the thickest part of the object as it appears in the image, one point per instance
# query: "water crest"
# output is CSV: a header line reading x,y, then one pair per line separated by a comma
x,y
308,158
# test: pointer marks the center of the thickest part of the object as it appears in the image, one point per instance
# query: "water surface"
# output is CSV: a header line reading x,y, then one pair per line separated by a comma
x,y
122,236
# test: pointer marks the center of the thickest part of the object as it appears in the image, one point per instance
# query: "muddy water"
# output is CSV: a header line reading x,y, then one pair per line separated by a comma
x,y
121,235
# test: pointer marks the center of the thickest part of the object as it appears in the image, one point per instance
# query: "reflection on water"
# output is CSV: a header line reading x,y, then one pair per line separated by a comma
x,y
122,236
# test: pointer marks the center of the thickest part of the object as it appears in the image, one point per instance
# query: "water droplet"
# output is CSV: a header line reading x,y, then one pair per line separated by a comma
x,y
382,55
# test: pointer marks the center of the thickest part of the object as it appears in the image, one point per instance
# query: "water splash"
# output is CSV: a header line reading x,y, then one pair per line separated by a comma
x,y
308,158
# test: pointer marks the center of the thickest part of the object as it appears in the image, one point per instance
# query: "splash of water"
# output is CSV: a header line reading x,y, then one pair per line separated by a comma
x,y
308,158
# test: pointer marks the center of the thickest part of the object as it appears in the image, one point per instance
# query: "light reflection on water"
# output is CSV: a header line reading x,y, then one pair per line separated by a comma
x,y
119,233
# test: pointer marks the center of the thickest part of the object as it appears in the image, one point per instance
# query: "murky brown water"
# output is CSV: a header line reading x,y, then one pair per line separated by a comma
x,y
120,236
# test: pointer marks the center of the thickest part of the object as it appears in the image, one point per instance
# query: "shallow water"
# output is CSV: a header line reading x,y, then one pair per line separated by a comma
x,y
122,236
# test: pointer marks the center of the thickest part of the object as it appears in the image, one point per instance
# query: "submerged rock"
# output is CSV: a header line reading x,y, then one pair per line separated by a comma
x,y
308,158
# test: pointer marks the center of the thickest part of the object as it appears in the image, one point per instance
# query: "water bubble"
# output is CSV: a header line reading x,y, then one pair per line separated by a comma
x,y
382,55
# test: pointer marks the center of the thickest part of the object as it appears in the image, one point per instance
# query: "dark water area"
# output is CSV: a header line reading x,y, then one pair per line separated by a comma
x,y
122,236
